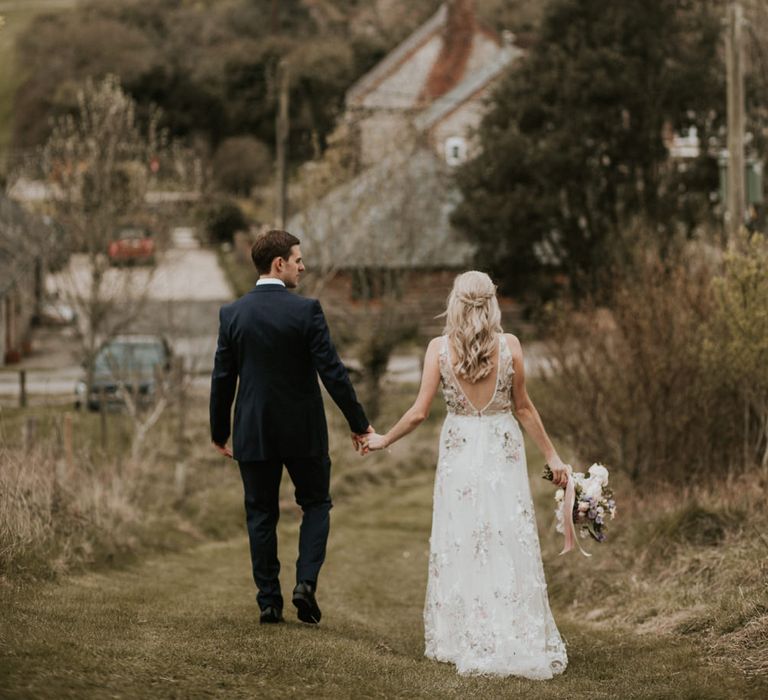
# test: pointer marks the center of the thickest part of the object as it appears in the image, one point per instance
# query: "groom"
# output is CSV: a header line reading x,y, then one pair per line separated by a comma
x,y
277,343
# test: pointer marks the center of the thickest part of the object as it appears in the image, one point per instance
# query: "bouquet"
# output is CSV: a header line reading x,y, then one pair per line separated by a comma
x,y
593,503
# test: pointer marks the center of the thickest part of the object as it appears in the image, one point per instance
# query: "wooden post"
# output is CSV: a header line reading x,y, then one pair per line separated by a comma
x,y
103,418
281,204
23,388
179,385
736,186
69,453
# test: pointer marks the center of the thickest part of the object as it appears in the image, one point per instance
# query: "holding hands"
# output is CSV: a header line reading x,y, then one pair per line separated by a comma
x,y
368,442
374,442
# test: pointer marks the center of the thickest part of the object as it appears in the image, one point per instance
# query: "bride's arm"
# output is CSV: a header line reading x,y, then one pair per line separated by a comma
x,y
529,417
418,413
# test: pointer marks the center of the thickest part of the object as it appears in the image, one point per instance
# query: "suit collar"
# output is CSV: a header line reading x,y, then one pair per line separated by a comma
x,y
267,288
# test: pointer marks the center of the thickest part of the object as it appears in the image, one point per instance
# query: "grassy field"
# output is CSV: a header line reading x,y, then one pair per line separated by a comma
x,y
184,624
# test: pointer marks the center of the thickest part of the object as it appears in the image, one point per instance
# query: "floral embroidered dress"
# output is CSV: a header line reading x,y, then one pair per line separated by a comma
x,y
486,607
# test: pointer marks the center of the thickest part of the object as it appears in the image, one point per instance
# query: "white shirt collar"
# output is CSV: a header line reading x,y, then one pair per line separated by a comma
x,y
270,280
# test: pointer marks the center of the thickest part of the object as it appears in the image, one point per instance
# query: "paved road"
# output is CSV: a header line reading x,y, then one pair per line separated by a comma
x,y
183,295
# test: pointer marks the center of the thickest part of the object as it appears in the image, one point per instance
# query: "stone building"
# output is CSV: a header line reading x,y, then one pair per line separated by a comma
x,y
434,83
408,121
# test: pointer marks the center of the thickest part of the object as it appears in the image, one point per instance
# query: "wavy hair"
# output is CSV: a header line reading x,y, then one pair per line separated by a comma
x,y
473,320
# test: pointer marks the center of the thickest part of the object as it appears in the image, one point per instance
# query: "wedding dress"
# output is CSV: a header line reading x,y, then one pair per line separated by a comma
x,y
486,607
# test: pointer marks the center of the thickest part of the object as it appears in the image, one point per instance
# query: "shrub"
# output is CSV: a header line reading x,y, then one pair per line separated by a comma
x,y
737,342
629,385
222,218
241,163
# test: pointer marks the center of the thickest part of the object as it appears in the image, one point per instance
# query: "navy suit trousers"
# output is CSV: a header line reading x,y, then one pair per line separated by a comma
x,y
261,486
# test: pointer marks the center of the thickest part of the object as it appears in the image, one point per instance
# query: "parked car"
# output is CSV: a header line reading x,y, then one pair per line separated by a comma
x,y
55,312
132,245
133,361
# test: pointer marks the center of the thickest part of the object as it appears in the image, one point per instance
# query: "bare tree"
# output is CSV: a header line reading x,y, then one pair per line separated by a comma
x,y
98,163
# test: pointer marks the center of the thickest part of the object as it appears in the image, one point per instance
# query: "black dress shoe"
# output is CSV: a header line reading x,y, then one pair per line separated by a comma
x,y
306,605
270,616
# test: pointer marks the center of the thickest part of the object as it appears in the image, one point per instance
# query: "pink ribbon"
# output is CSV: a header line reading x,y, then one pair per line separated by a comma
x,y
569,531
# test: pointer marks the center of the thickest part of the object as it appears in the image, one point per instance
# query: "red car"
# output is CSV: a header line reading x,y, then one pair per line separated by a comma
x,y
132,245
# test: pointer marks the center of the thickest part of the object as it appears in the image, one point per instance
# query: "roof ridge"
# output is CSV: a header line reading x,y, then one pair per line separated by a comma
x,y
397,55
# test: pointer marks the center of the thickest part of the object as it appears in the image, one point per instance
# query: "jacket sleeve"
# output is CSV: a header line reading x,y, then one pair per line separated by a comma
x,y
332,371
223,384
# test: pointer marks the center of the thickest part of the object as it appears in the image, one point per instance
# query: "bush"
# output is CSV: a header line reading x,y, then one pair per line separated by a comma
x,y
630,385
241,163
221,219
737,344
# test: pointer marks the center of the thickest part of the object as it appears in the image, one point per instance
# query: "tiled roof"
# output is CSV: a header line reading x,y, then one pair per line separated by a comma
x,y
395,57
444,105
394,214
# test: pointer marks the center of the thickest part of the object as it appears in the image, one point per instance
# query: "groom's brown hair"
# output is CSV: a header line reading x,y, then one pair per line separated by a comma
x,y
270,245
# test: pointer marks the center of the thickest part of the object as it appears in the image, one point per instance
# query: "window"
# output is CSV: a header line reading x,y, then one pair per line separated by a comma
x,y
455,150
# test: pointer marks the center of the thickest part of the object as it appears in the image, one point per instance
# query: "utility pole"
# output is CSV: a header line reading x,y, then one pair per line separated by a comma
x,y
283,76
736,186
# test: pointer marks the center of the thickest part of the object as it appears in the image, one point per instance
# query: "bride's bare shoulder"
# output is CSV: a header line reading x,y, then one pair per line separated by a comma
x,y
434,344
513,343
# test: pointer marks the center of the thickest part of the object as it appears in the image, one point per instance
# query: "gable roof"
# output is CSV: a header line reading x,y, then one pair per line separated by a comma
x,y
397,56
395,214
466,89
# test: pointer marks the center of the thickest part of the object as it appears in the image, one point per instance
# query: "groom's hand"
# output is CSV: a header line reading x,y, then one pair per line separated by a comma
x,y
357,441
225,450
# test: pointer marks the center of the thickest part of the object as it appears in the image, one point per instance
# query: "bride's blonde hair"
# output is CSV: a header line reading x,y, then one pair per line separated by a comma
x,y
473,320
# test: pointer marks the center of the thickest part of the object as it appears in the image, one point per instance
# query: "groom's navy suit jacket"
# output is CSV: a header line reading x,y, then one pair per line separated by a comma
x,y
277,343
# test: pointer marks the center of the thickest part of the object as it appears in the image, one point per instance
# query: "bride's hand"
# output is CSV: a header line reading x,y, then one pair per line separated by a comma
x,y
374,442
560,472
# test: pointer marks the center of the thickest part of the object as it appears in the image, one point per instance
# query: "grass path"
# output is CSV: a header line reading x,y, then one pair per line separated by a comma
x,y
185,626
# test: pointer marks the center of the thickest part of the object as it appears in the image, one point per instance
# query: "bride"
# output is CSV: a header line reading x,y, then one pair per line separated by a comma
x,y
486,607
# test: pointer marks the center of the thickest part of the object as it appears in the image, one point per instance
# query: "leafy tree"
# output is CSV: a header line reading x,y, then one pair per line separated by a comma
x,y
209,67
572,147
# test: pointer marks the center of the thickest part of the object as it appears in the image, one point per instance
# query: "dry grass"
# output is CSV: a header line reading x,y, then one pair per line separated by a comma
x,y
691,562
666,608
103,509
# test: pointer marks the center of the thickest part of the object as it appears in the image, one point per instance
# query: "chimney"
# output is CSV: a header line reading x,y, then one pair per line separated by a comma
x,y
458,33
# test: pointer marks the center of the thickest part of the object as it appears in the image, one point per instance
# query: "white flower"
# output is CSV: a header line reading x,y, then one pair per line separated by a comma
x,y
592,488
559,495
583,506
599,472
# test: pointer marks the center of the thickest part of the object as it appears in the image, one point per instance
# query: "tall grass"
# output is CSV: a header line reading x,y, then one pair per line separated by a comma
x,y
689,561
101,508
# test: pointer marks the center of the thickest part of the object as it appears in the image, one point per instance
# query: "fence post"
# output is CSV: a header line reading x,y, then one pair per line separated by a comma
x,y
23,388
69,454
103,418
